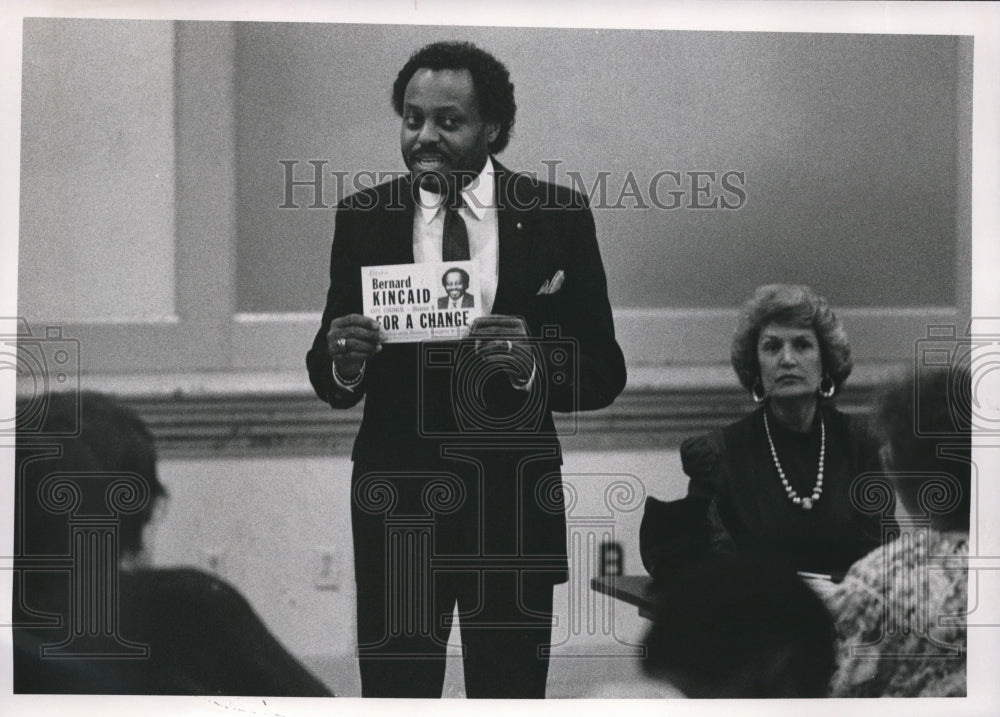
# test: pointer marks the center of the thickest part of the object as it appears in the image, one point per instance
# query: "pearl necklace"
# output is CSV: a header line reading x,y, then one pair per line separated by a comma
x,y
804,503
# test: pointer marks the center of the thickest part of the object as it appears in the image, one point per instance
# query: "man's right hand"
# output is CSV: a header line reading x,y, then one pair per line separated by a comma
x,y
351,341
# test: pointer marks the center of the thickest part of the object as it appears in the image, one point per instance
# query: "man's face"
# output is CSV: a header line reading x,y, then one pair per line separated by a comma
x,y
443,134
454,285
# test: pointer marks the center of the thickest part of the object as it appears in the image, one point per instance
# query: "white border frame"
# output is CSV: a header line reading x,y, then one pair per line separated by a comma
x,y
981,20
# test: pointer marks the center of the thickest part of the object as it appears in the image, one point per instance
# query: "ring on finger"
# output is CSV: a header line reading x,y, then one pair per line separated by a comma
x,y
342,343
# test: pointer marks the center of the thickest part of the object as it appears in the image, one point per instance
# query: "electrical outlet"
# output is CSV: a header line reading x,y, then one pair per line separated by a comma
x,y
327,569
612,559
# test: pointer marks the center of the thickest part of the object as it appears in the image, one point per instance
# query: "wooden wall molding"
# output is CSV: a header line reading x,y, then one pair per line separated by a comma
x,y
277,414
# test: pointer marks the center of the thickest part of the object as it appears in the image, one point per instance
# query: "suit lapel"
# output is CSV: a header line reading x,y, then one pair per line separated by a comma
x,y
515,245
395,241
515,233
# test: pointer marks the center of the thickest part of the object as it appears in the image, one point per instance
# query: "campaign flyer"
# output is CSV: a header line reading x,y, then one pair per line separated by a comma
x,y
422,302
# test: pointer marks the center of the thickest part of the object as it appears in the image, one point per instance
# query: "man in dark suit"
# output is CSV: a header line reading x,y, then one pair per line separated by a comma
x,y
456,490
456,284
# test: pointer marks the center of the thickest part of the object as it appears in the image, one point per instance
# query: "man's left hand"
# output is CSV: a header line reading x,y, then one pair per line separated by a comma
x,y
516,357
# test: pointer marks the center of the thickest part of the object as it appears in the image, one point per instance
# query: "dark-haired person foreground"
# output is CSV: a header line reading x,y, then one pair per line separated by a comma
x,y
777,481
901,610
741,626
456,487
152,631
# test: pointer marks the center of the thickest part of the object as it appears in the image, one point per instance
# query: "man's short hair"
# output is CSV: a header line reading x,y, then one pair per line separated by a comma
x,y
456,270
494,90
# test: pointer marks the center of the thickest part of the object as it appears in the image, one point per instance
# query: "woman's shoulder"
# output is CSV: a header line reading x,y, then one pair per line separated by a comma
x,y
866,579
704,457
855,430
853,424
697,451
894,577
711,445
700,455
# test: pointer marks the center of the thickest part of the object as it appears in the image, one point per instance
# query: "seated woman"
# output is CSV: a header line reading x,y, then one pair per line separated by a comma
x,y
777,481
900,611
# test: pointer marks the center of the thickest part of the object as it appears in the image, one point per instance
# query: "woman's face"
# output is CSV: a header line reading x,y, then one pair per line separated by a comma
x,y
790,361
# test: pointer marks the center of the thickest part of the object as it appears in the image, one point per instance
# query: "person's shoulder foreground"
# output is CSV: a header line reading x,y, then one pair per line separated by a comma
x,y
924,652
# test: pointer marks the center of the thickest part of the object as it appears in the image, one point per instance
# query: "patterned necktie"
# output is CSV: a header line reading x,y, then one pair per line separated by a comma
x,y
455,240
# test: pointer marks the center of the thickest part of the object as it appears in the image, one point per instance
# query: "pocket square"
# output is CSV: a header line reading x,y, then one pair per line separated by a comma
x,y
553,285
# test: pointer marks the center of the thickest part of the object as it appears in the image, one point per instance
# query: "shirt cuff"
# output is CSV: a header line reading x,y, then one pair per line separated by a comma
x,y
343,383
526,386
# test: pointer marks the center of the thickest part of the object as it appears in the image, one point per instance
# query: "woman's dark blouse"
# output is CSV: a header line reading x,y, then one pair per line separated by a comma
x,y
734,468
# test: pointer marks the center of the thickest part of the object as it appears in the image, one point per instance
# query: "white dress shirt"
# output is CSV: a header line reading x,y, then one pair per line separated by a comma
x,y
479,212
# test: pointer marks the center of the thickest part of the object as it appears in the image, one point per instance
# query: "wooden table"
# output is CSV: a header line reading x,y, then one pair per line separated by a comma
x,y
635,590
639,590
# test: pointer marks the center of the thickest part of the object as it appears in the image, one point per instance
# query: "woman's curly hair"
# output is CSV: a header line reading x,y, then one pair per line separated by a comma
x,y
795,305
494,91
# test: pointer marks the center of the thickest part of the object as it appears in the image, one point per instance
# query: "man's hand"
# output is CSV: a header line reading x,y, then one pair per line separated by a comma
x,y
352,340
502,342
515,356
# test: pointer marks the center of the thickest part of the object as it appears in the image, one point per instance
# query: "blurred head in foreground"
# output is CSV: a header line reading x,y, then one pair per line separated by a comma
x,y
925,427
901,601
741,626
99,439
87,489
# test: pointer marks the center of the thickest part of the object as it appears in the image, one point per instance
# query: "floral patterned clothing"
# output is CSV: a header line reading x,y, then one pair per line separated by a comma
x,y
900,616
